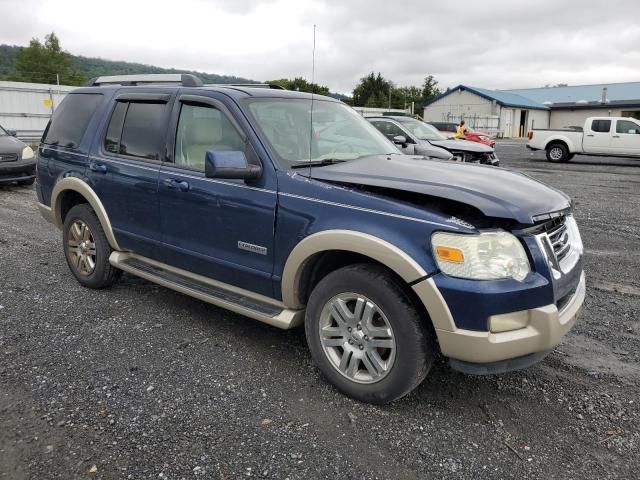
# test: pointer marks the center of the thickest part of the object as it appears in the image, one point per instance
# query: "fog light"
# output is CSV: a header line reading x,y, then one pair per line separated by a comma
x,y
508,321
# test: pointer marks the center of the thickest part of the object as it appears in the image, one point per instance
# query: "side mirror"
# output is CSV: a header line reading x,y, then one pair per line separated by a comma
x,y
230,164
400,140
13,133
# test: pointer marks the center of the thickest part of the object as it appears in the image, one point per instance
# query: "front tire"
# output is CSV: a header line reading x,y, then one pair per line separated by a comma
x,y
558,153
366,335
86,248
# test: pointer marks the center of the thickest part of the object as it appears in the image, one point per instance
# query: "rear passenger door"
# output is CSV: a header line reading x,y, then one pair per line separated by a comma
x,y
222,229
597,137
124,169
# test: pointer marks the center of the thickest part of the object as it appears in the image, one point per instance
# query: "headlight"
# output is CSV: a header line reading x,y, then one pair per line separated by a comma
x,y
484,137
486,256
27,153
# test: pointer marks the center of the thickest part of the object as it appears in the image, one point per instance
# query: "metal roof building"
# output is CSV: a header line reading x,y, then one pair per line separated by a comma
x,y
512,113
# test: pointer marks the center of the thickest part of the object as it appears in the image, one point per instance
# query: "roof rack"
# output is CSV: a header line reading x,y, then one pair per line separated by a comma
x,y
247,85
184,79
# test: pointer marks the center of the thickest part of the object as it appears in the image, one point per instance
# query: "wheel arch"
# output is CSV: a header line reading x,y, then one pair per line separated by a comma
x,y
348,243
561,141
75,188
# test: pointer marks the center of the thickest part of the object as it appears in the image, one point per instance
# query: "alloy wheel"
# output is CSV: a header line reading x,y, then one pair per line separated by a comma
x,y
555,153
357,338
82,248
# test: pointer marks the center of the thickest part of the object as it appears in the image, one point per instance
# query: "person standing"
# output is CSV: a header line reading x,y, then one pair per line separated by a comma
x,y
461,131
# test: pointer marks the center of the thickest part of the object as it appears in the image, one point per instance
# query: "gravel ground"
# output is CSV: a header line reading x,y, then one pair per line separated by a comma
x,y
141,382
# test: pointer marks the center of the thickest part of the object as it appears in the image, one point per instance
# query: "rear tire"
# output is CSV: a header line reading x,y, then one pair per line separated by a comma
x,y
558,153
366,335
86,248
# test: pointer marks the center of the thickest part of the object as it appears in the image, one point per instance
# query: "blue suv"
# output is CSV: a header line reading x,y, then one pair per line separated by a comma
x,y
292,209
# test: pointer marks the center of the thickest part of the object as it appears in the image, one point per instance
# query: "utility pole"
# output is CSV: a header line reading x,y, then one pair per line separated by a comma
x,y
389,95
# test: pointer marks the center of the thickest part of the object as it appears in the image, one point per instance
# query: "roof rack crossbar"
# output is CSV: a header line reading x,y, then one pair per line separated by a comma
x,y
184,79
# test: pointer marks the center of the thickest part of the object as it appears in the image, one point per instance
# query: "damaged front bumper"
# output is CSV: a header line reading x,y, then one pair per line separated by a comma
x,y
487,352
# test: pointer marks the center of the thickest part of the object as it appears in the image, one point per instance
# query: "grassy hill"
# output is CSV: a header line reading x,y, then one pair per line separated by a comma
x,y
95,67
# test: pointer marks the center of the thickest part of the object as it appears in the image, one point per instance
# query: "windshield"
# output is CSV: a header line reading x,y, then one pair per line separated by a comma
x,y
338,131
421,130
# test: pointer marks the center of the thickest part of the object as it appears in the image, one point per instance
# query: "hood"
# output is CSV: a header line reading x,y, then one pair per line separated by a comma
x,y
476,132
462,145
9,144
494,191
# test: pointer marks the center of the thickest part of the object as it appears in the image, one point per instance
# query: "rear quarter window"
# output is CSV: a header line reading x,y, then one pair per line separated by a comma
x,y
70,120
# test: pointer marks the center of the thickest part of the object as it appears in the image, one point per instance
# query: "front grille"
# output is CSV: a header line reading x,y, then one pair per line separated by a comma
x,y
559,238
8,157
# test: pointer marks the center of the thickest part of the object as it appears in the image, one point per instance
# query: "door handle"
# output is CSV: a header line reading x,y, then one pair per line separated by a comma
x,y
179,184
615,136
97,167
589,134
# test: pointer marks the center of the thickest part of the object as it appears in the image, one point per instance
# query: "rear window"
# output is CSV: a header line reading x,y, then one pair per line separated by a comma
x,y
70,120
601,126
136,129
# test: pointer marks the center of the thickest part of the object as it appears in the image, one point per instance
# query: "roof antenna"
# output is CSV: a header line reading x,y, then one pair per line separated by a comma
x,y
313,74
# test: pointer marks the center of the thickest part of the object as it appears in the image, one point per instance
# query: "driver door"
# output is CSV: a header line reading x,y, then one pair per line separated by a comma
x,y
222,229
626,139
391,130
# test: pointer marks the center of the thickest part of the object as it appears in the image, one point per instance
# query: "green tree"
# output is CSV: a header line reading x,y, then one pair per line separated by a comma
x,y
429,88
301,85
372,90
47,63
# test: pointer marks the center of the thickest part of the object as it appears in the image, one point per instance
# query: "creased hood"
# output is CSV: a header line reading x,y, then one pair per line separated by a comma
x,y
496,192
462,145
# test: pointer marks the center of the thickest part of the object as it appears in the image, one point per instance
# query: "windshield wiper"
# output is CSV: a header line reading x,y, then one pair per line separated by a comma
x,y
317,163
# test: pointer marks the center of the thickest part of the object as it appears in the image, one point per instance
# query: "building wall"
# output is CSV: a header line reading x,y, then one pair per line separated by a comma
x,y
456,104
538,119
484,114
27,107
565,118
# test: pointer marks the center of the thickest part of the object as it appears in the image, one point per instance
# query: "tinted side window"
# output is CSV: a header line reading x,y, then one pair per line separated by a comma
x,y
201,129
143,130
601,126
625,126
70,120
112,139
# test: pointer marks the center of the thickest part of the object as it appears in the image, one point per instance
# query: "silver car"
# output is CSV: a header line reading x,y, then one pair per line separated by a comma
x,y
17,160
414,137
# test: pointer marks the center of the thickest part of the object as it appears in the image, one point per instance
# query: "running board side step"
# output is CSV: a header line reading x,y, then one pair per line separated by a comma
x,y
232,298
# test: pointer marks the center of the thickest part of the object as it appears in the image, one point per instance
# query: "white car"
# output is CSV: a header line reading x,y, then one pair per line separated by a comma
x,y
605,136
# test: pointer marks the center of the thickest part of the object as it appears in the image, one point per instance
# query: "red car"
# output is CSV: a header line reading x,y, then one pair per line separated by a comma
x,y
449,129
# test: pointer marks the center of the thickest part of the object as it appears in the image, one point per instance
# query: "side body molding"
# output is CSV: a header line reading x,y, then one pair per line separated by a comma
x,y
78,185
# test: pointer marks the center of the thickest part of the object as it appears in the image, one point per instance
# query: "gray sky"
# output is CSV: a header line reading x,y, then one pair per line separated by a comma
x,y
487,43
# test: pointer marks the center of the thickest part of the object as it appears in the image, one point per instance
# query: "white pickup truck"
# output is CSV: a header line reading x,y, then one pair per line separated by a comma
x,y
606,136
